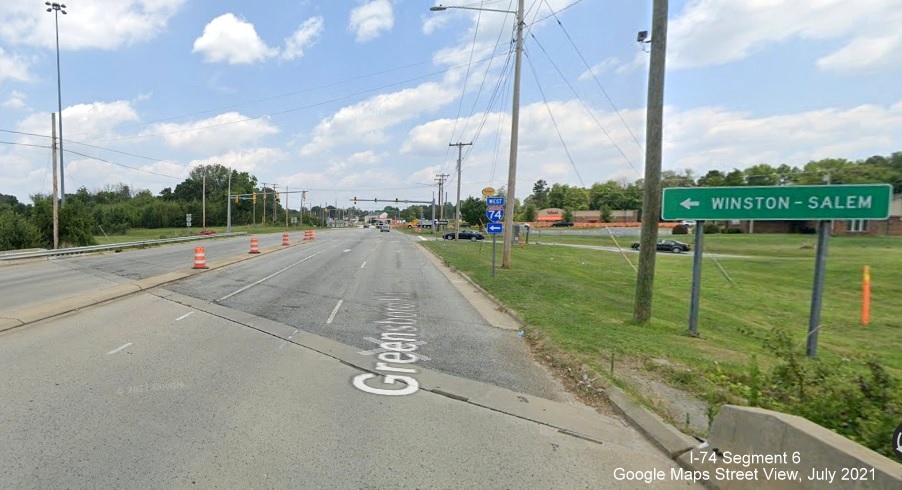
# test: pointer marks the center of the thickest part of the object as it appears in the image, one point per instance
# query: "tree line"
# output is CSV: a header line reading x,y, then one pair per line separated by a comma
x,y
116,208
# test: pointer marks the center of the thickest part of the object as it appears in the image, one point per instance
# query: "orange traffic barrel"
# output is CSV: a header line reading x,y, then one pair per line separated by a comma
x,y
308,235
285,239
200,258
255,247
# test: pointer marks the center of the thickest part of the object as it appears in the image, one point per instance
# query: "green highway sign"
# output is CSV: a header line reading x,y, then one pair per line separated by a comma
x,y
797,202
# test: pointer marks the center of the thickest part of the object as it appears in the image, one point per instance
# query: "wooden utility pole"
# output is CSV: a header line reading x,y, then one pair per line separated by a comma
x,y
56,203
651,202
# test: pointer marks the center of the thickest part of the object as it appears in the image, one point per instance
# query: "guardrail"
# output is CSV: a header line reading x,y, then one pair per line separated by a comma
x,y
114,246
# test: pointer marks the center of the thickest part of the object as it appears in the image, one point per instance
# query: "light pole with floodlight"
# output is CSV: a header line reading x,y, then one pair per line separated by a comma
x,y
56,8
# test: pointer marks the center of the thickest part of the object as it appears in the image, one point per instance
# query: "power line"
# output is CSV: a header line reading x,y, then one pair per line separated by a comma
x,y
278,96
553,121
23,144
121,165
586,106
597,82
293,109
463,89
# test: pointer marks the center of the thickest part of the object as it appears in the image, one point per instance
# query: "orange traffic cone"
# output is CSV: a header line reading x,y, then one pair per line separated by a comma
x,y
285,239
255,247
200,258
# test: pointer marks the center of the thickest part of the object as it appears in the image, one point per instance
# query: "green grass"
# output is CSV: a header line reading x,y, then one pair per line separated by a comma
x,y
582,300
139,234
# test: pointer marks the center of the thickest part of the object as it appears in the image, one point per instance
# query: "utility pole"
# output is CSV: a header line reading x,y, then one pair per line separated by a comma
x,y
441,187
651,202
275,200
511,194
229,204
286,207
263,219
460,147
204,200
56,204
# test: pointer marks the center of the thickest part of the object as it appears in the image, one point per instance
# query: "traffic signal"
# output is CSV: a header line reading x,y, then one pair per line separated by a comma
x,y
278,197
396,200
376,200
355,200
236,199
255,198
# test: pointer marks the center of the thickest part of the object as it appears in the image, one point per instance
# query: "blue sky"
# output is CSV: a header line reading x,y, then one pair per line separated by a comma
x,y
361,98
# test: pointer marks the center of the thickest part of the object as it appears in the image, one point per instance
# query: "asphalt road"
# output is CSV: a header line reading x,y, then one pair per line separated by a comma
x,y
252,376
61,277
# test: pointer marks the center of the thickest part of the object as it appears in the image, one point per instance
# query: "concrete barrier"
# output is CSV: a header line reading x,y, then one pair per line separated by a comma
x,y
756,445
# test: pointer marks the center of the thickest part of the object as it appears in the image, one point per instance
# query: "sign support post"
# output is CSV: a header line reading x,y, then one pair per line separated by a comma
x,y
817,293
696,278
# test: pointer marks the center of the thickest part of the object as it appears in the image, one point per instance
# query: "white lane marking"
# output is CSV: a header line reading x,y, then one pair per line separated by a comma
x,y
186,315
423,238
290,337
334,311
346,250
118,349
269,276
363,264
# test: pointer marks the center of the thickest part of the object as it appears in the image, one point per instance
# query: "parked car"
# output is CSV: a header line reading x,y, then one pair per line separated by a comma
x,y
465,235
366,225
690,224
562,223
674,246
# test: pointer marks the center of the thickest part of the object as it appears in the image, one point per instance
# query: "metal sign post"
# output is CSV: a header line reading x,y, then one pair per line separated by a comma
x,y
696,278
495,213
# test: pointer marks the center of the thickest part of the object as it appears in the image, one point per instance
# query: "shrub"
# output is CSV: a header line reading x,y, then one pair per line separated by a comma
x,y
856,398
680,230
731,231
711,228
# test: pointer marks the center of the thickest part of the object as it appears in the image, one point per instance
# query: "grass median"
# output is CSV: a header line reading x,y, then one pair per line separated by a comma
x,y
582,302
139,234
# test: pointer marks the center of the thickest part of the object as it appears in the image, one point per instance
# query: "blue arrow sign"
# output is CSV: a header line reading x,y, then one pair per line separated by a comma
x,y
494,228
494,215
494,201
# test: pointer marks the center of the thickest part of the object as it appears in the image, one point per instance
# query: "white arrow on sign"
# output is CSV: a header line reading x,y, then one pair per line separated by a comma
x,y
688,203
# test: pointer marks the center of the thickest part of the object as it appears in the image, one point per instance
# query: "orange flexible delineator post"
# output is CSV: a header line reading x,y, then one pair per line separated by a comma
x,y
866,296
200,258
285,239
255,246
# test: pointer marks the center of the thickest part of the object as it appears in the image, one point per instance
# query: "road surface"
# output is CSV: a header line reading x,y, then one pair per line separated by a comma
x,y
262,374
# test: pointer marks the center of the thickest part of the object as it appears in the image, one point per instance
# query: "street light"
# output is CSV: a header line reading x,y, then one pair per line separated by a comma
x,y
56,8
515,125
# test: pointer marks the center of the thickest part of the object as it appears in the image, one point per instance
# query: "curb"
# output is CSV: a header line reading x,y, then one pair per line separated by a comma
x,y
27,316
663,435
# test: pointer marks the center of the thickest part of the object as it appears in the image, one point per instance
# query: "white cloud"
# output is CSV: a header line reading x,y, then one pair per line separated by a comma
x,y
701,139
306,35
714,32
370,19
367,121
103,24
81,121
865,54
217,134
600,68
433,23
16,100
230,39
13,67
250,160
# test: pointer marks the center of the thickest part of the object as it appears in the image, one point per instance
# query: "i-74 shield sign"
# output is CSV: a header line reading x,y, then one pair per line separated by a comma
x,y
494,215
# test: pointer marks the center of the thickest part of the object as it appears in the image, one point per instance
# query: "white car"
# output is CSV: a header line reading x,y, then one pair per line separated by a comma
x,y
690,224
384,228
